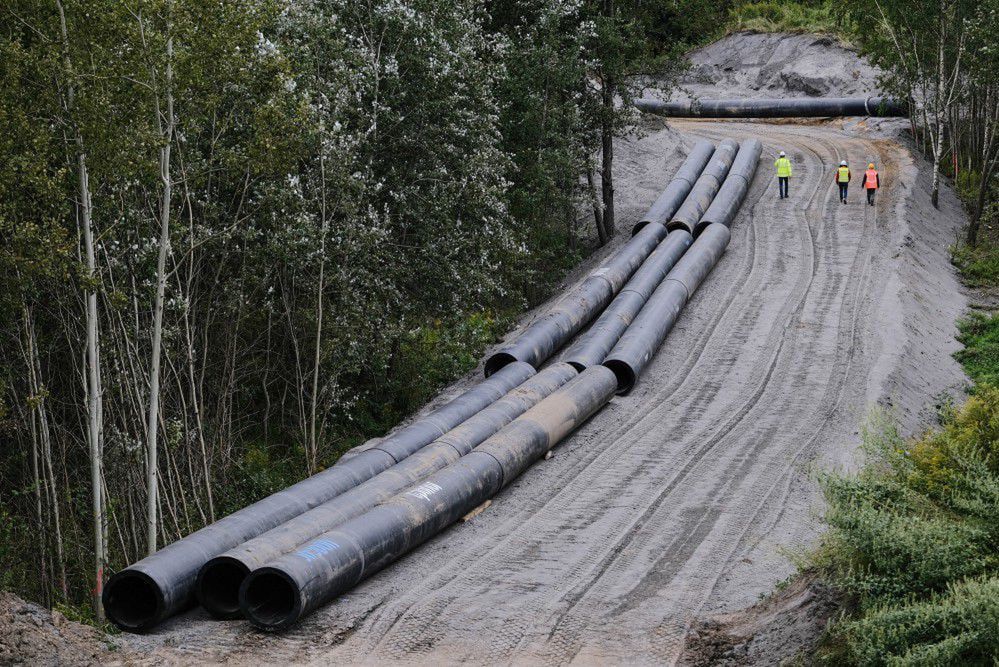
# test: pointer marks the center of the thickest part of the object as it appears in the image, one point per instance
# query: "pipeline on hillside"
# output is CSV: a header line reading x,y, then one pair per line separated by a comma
x,y
219,580
669,201
777,108
147,592
550,332
705,189
593,346
277,595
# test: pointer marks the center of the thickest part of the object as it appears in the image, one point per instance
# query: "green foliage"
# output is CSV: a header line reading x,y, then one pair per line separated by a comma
x,y
821,16
914,538
978,265
979,334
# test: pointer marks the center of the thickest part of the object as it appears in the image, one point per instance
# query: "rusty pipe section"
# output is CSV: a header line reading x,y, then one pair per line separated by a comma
x,y
705,189
277,595
592,347
733,191
144,594
669,201
219,580
777,108
639,343
571,313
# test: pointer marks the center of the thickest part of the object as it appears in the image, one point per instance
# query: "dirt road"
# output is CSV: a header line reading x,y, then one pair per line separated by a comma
x,y
689,496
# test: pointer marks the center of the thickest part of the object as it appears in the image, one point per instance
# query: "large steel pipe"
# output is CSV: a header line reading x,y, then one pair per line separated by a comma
x,y
593,346
669,201
144,594
733,191
776,108
277,595
705,189
219,580
639,343
550,332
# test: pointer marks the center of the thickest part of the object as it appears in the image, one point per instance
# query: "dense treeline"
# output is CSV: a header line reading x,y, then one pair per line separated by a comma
x,y
238,238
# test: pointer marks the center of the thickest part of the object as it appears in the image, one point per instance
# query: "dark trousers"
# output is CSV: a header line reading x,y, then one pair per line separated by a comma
x,y
782,184
842,190
870,195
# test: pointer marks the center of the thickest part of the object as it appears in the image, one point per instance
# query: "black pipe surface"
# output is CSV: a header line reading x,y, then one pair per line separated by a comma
x,y
277,595
705,189
219,580
733,191
570,314
639,343
156,587
777,108
593,346
678,189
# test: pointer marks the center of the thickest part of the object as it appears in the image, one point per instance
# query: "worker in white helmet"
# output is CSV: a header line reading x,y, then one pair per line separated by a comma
x,y
843,180
783,166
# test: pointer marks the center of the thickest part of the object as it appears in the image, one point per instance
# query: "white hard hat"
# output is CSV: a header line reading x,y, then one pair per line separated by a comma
x,y
843,163
782,153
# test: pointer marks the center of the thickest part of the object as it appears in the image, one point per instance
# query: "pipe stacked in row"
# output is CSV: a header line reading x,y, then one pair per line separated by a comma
x,y
550,332
639,343
777,108
733,191
705,189
147,592
672,197
219,580
277,595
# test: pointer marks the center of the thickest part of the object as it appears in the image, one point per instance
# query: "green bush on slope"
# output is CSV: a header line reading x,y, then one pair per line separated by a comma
x,y
914,538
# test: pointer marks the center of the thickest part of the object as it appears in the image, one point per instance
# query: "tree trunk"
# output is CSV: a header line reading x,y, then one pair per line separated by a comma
x,y
154,367
607,156
598,211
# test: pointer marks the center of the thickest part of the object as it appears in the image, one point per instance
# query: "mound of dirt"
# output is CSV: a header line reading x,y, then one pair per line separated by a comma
x,y
748,64
783,628
33,635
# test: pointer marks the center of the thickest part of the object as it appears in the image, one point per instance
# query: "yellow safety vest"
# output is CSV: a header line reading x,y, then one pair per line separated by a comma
x,y
844,175
783,167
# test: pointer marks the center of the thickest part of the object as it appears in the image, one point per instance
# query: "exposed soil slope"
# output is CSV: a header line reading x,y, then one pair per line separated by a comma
x,y
683,499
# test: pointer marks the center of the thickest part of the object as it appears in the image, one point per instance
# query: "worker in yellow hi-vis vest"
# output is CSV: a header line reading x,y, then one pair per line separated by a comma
x,y
843,180
783,166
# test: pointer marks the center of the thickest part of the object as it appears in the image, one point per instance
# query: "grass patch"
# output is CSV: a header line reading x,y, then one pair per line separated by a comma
x,y
978,266
775,16
979,333
914,541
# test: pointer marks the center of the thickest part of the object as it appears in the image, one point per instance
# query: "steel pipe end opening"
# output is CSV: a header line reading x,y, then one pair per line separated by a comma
x,y
639,226
270,599
579,366
498,361
624,373
217,586
133,601
675,225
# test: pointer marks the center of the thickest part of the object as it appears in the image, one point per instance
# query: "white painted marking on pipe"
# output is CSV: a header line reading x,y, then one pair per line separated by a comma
x,y
316,549
425,491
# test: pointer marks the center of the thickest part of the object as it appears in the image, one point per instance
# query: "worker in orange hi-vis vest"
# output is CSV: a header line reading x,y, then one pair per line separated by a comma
x,y
842,176
872,181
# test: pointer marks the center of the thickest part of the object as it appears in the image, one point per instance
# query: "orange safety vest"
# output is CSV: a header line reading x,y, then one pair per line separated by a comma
x,y
871,179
